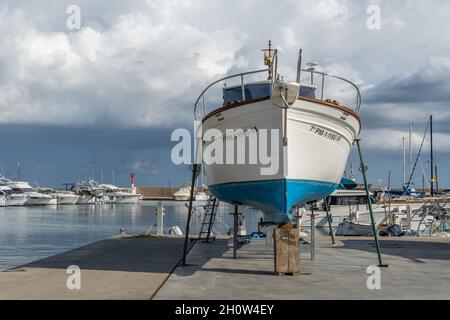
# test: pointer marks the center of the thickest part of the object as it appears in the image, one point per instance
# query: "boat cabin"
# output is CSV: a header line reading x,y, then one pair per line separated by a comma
x,y
260,89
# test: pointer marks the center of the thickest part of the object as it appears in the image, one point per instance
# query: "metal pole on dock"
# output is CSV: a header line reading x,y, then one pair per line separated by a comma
x,y
195,171
363,169
329,221
235,232
313,233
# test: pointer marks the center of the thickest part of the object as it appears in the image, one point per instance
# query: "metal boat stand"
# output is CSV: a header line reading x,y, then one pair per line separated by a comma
x,y
196,168
363,168
329,219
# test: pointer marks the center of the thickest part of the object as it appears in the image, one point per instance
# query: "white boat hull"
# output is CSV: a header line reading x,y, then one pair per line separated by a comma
x,y
86,200
37,201
348,228
319,140
67,200
15,201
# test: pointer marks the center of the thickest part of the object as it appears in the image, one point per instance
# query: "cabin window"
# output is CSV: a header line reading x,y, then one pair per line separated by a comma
x,y
343,201
252,91
307,91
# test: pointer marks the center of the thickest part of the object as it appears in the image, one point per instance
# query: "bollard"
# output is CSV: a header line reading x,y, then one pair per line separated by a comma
x,y
160,219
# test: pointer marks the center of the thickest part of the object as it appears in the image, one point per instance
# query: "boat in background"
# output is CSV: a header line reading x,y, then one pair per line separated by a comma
x,y
182,194
60,197
11,198
88,191
116,195
315,136
201,196
2,199
34,198
354,228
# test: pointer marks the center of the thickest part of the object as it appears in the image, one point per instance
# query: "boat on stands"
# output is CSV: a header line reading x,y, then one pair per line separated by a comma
x,y
311,128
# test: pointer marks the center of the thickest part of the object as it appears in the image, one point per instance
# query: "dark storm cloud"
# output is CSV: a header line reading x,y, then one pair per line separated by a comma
x,y
424,86
53,155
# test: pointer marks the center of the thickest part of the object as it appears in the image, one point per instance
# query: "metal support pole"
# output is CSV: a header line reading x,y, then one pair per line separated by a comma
x,y
235,232
329,221
195,171
363,169
313,233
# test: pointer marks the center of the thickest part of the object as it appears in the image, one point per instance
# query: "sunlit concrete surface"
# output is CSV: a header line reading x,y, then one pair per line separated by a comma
x,y
137,268
110,269
418,269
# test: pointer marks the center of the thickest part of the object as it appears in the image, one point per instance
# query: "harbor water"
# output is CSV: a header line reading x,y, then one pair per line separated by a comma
x,y
31,233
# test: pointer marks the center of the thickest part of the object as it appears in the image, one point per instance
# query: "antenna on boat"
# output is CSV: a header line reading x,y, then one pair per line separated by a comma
x,y
311,68
269,54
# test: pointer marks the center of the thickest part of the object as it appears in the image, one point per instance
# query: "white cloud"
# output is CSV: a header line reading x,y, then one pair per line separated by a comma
x,y
143,63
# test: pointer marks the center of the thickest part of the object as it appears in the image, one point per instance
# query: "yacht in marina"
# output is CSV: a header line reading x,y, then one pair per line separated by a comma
x,y
311,124
60,197
116,195
88,191
182,194
11,198
34,198
2,199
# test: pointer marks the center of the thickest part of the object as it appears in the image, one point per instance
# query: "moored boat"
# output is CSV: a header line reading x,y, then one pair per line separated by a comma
x,y
11,198
34,198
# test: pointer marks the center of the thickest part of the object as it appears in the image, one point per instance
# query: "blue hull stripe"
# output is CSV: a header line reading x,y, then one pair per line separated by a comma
x,y
274,198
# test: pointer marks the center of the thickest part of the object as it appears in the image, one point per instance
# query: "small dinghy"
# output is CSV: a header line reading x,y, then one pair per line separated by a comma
x,y
352,228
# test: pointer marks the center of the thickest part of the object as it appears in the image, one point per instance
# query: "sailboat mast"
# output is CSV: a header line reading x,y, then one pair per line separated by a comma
x,y
410,148
431,157
404,162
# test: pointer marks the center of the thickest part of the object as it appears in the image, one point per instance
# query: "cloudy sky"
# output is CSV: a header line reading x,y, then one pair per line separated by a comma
x,y
107,96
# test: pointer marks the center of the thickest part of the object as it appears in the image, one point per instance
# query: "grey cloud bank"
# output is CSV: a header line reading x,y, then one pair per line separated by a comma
x,y
139,65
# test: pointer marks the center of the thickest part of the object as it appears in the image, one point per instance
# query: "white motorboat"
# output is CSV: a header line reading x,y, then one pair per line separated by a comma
x,y
60,197
309,135
34,198
2,199
182,194
117,195
11,198
353,228
201,196
89,192
67,198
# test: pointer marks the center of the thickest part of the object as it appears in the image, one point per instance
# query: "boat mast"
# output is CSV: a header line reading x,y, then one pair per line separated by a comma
x,y
404,162
431,157
18,172
268,59
410,148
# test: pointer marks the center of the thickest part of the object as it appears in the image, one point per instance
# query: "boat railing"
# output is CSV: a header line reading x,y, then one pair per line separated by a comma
x,y
325,76
200,112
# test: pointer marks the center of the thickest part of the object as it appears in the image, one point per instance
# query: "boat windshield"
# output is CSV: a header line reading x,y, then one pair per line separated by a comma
x,y
252,91
22,190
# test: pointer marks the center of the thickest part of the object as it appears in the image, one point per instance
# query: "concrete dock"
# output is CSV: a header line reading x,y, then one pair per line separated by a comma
x,y
148,269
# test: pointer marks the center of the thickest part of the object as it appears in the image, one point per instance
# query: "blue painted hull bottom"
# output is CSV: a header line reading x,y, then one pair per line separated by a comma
x,y
274,198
